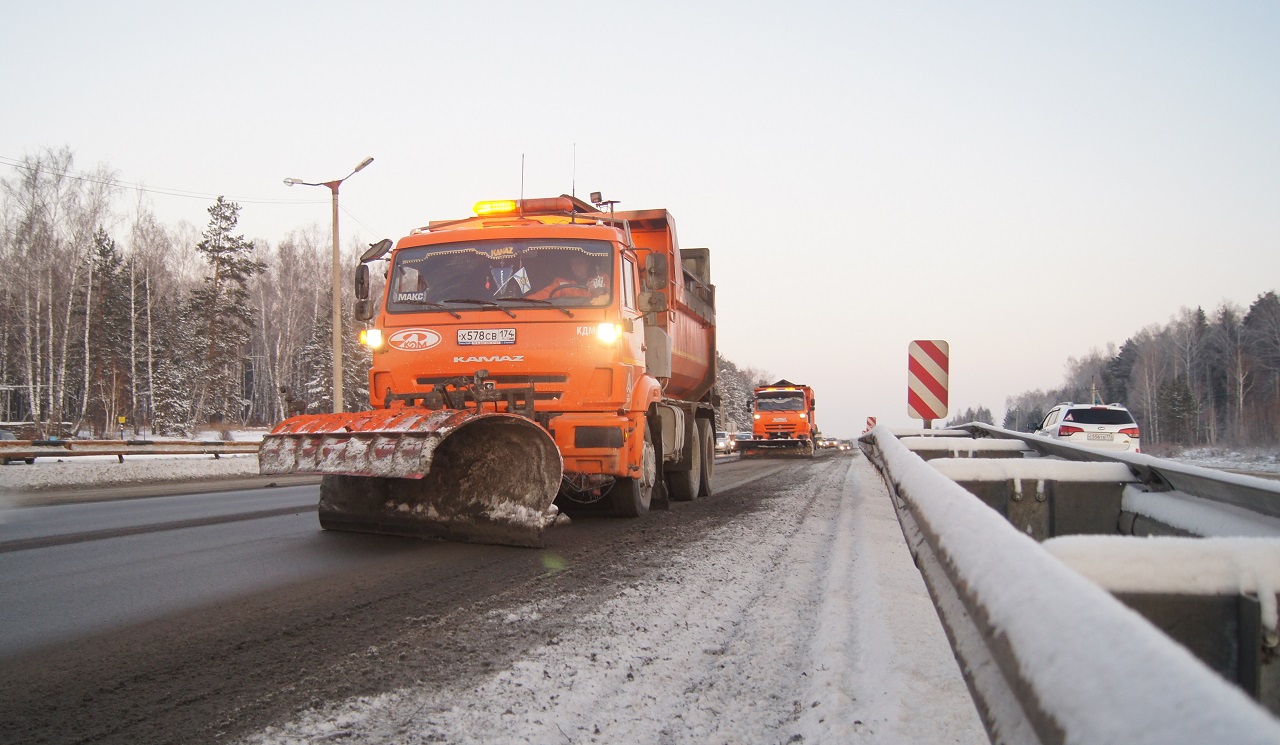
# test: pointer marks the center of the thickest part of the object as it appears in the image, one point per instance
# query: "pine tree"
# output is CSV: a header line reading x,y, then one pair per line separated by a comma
x,y
179,363
1178,412
224,318
356,361
982,414
108,336
316,366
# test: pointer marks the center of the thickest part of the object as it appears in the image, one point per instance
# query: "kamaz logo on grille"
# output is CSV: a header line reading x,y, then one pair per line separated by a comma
x,y
492,358
413,340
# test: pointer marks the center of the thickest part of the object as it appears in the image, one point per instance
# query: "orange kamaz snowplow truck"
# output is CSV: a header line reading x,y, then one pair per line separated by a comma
x,y
782,422
541,350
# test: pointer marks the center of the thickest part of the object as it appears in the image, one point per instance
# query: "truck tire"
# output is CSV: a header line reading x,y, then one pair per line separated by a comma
x,y
684,485
707,437
631,497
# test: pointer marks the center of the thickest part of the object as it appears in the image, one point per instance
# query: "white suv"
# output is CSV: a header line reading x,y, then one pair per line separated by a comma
x,y
1107,427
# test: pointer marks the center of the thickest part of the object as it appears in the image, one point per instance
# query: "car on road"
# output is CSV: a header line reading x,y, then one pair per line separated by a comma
x,y
724,443
1102,426
7,435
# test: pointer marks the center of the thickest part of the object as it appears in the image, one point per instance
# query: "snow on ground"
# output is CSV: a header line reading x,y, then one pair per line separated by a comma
x,y
1236,459
50,474
106,470
802,622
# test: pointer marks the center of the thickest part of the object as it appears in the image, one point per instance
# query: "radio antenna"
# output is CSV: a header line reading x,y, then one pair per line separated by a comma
x,y
573,182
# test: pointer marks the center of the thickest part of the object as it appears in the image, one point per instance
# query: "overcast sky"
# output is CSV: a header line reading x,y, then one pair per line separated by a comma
x,y
1025,181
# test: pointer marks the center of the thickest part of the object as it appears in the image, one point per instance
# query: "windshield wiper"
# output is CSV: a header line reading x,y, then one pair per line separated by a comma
x,y
565,311
484,303
430,305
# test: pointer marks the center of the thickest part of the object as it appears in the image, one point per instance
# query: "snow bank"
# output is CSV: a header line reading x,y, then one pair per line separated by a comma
x,y
104,470
1243,459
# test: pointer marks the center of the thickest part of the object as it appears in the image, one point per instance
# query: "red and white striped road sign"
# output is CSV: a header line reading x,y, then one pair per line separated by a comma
x,y
871,424
927,380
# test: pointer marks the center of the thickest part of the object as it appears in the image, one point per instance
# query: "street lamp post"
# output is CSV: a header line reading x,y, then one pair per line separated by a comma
x,y
337,280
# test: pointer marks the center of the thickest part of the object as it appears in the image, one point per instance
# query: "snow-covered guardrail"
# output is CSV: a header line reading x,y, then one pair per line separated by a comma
x,y
1259,496
28,449
1050,656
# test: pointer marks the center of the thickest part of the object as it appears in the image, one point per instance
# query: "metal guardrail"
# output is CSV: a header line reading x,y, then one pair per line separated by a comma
x,y
1049,656
27,449
1249,492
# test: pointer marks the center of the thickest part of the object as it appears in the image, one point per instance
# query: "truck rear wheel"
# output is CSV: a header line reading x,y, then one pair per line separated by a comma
x,y
684,485
631,497
707,440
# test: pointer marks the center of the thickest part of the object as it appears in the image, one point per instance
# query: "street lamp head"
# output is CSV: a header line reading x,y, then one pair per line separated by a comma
x,y
291,181
363,163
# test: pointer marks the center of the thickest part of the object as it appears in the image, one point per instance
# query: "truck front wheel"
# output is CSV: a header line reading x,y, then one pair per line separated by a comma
x,y
631,497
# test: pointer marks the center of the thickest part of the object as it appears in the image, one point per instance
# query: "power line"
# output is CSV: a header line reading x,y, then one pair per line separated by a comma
x,y
183,193
169,192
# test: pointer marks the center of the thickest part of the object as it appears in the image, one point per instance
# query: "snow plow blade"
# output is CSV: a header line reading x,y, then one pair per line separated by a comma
x,y
775,449
452,474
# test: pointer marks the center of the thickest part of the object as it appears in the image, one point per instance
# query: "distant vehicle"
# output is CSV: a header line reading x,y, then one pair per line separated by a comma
x,y
7,435
843,445
724,443
784,424
1102,426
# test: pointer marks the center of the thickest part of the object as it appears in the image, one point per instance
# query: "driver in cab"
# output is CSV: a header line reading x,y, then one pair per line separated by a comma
x,y
586,281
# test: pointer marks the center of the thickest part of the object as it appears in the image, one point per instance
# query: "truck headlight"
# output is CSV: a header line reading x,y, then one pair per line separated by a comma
x,y
371,338
608,332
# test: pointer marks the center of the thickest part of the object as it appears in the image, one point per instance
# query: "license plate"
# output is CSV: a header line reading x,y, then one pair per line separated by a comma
x,y
1103,436
479,337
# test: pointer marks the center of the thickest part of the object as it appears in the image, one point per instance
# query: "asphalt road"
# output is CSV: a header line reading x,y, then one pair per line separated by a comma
x,y
195,618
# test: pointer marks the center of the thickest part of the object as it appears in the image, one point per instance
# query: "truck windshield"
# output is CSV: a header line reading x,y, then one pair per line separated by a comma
x,y
563,273
784,401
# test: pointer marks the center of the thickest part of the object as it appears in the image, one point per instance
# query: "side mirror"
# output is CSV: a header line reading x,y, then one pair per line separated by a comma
x,y
376,250
362,282
651,302
655,271
364,309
